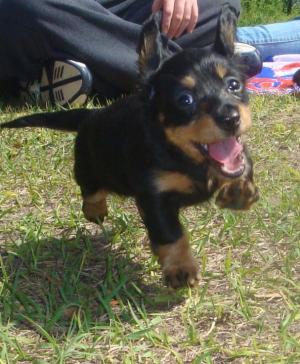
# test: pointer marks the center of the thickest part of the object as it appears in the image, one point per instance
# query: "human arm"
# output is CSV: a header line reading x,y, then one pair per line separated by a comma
x,y
178,16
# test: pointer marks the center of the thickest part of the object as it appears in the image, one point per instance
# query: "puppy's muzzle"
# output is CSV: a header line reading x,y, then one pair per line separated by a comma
x,y
228,117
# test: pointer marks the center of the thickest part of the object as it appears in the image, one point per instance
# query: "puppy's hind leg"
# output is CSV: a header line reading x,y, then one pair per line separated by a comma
x,y
94,206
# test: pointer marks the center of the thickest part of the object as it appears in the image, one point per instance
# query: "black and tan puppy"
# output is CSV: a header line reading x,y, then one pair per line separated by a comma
x,y
173,144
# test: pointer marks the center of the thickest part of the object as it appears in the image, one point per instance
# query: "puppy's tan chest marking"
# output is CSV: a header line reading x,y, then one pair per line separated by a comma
x,y
173,182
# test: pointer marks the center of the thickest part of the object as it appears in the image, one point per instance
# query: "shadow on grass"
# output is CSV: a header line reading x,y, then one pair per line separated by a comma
x,y
51,281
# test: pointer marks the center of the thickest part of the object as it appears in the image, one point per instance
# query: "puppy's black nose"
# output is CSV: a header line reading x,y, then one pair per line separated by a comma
x,y
228,117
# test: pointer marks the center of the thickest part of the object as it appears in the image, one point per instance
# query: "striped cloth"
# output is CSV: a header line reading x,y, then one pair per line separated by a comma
x,y
276,77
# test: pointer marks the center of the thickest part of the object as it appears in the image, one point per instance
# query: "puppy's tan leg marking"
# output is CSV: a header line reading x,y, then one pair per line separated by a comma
x,y
239,195
94,206
178,264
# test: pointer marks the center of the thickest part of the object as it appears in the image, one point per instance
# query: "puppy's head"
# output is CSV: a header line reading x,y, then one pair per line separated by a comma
x,y
198,96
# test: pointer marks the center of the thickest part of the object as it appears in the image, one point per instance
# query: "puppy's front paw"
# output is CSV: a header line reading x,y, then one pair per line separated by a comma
x,y
239,195
181,273
179,267
94,212
94,206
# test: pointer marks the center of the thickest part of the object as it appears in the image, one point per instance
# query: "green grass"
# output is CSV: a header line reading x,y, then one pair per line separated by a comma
x,y
73,292
266,11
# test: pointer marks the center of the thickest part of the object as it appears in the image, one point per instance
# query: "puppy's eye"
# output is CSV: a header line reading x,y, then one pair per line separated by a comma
x,y
234,85
185,99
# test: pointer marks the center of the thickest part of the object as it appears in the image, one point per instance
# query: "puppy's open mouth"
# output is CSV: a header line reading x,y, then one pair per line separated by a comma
x,y
227,156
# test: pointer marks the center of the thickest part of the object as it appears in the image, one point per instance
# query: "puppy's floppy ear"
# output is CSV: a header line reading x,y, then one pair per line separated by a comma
x,y
226,32
152,47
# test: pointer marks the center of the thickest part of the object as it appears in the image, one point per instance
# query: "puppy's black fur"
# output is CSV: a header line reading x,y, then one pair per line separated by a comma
x,y
172,144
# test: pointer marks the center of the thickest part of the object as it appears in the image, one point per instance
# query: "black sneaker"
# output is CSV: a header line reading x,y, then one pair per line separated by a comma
x,y
250,57
62,82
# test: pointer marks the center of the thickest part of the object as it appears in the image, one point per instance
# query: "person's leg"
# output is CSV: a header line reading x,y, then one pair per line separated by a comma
x,y
81,30
85,31
273,39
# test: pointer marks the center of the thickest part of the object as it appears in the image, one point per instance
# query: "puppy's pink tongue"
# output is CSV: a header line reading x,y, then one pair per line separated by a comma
x,y
226,151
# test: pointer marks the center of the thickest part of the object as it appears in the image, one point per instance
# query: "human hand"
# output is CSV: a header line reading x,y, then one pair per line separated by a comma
x,y
178,16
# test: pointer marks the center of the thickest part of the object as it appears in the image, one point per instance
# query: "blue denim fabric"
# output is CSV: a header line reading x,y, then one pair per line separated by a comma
x,y
273,39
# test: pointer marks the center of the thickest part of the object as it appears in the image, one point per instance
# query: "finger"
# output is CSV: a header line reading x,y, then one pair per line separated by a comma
x,y
194,18
168,9
176,17
185,19
157,5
